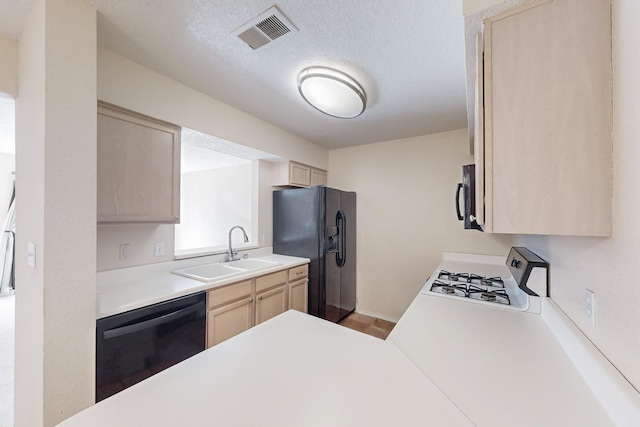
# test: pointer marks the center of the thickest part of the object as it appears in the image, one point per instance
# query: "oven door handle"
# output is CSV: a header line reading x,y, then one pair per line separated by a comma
x,y
460,217
137,327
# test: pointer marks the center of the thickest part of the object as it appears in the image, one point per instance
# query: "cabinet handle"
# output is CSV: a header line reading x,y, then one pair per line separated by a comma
x,y
260,298
250,299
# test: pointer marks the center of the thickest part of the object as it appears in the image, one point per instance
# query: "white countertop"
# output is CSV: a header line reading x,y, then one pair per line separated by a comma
x,y
501,367
130,288
446,363
293,370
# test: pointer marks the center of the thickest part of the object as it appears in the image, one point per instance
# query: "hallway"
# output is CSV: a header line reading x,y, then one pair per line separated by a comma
x,y
7,360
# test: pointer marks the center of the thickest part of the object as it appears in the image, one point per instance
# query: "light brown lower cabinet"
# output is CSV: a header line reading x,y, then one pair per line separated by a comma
x,y
271,303
298,295
229,320
236,307
298,290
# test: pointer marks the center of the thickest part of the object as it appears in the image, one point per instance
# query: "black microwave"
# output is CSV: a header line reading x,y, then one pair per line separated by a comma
x,y
468,189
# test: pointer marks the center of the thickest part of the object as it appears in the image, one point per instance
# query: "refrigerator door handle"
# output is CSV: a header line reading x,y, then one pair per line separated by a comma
x,y
341,255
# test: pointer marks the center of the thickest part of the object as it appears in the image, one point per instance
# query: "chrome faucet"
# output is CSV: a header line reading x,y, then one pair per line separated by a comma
x,y
231,255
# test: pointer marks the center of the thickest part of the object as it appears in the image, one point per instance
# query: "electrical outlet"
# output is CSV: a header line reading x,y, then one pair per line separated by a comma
x,y
159,248
590,306
124,251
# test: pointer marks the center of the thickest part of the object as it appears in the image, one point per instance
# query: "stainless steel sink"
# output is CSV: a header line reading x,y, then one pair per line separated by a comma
x,y
213,272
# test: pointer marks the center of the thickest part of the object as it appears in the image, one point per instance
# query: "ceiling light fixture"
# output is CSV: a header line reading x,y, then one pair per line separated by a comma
x,y
332,92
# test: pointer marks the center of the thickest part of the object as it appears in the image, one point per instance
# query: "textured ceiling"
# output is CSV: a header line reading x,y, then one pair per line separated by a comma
x,y
407,54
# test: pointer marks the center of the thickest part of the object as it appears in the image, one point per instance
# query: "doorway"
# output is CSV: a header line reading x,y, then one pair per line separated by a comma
x,y
7,296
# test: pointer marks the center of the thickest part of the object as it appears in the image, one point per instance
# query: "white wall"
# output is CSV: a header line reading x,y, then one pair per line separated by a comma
x,y
265,203
8,66
56,187
130,85
406,215
8,87
141,239
213,201
7,165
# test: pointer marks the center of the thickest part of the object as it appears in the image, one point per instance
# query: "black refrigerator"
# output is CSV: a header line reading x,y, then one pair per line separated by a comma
x,y
319,223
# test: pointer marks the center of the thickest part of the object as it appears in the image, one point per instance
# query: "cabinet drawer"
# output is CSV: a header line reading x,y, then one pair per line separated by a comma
x,y
271,280
296,273
229,293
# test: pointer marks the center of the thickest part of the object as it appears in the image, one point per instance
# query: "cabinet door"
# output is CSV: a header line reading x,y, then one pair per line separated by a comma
x,y
138,168
299,174
548,97
478,137
270,303
318,177
229,320
298,295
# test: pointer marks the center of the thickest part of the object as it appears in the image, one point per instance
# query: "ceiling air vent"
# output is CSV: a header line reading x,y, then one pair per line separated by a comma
x,y
265,28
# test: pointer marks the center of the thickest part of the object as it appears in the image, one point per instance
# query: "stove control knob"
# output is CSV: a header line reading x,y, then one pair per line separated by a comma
x,y
515,263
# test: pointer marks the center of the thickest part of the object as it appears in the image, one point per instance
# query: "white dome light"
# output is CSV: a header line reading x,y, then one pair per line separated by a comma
x,y
332,92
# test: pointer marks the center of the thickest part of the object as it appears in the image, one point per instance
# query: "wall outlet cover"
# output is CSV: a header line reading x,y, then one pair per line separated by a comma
x,y
124,251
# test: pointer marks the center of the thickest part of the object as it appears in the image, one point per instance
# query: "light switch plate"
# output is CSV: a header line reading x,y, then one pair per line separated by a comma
x,y
159,249
590,306
31,255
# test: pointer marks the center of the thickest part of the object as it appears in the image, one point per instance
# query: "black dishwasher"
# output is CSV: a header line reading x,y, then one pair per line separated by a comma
x,y
137,344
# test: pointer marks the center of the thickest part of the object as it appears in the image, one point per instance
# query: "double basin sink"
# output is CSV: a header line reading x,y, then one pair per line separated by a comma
x,y
213,272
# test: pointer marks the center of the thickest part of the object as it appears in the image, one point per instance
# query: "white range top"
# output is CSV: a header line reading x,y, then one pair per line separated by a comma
x,y
293,370
130,288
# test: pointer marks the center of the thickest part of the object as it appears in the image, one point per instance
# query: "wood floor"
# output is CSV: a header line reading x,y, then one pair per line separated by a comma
x,y
369,325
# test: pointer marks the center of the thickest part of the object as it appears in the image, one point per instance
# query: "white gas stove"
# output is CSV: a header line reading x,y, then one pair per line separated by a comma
x,y
516,283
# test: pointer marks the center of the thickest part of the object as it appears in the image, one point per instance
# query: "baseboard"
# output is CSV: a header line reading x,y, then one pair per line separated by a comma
x,y
378,315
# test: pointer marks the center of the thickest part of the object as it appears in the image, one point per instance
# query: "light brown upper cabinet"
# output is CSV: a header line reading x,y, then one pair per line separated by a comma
x,y
138,168
544,159
294,174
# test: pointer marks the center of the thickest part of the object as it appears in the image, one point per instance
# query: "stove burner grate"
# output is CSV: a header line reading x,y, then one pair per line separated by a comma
x,y
457,289
497,295
472,286
494,281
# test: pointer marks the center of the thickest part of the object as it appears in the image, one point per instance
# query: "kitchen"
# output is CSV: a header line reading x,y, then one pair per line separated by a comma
x,y
577,263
